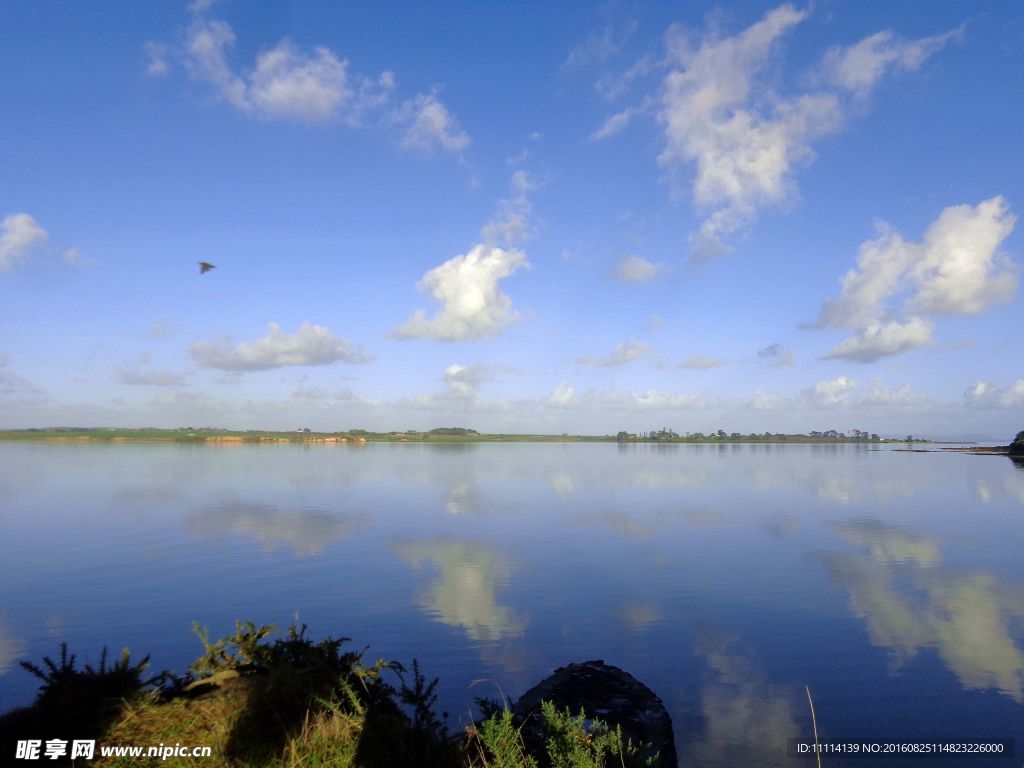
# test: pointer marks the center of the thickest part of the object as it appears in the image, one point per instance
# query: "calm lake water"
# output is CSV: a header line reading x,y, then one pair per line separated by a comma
x,y
725,577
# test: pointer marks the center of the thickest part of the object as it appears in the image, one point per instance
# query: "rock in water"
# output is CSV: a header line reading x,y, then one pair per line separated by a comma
x,y
605,693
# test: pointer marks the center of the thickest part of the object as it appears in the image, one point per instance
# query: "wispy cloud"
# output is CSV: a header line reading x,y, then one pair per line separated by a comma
x,y
316,86
859,67
624,352
743,141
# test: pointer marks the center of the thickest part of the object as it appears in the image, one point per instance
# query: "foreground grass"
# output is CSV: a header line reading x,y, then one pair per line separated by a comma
x,y
258,699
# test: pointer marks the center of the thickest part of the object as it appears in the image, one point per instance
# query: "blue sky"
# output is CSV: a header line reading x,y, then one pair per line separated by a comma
x,y
515,217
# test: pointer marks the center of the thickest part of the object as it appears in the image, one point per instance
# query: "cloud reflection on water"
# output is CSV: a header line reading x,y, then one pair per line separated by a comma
x,y
463,594
306,531
910,602
747,719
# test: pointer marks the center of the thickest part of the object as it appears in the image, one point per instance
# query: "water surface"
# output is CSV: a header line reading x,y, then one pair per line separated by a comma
x,y
725,577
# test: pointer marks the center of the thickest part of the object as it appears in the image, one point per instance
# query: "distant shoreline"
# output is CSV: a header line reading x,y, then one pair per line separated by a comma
x,y
456,435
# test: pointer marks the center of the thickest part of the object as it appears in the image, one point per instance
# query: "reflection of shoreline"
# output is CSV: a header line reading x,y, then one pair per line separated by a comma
x,y
463,592
306,531
910,602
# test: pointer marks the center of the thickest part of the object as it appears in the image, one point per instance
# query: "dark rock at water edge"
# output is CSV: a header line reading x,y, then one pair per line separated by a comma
x,y
605,693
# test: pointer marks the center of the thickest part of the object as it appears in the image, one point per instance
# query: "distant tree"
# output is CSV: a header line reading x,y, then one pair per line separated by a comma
x,y
1017,446
875,438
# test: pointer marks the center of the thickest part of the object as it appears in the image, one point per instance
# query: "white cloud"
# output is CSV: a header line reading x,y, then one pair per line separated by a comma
x,y
955,269
614,124
310,345
288,83
777,356
285,83
724,121
958,271
19,232
877,340
984,394
651,400
637,269
882,266
833,392
429,125
624,352
883,395
859,67
561,397
743,152
466,287
511,223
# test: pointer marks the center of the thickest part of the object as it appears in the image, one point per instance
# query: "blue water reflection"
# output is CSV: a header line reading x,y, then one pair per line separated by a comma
x,y
726,577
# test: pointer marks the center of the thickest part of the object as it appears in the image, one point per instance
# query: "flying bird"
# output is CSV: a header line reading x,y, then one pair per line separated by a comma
x,y
205,266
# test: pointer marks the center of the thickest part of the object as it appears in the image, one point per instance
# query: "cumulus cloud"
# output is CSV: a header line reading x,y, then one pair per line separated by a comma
x,y
428,125
310,345
777,356
860,66
285,83
19,233
624,352
985,394
878,340
955,269
637,269
466,287
827,393
959,271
